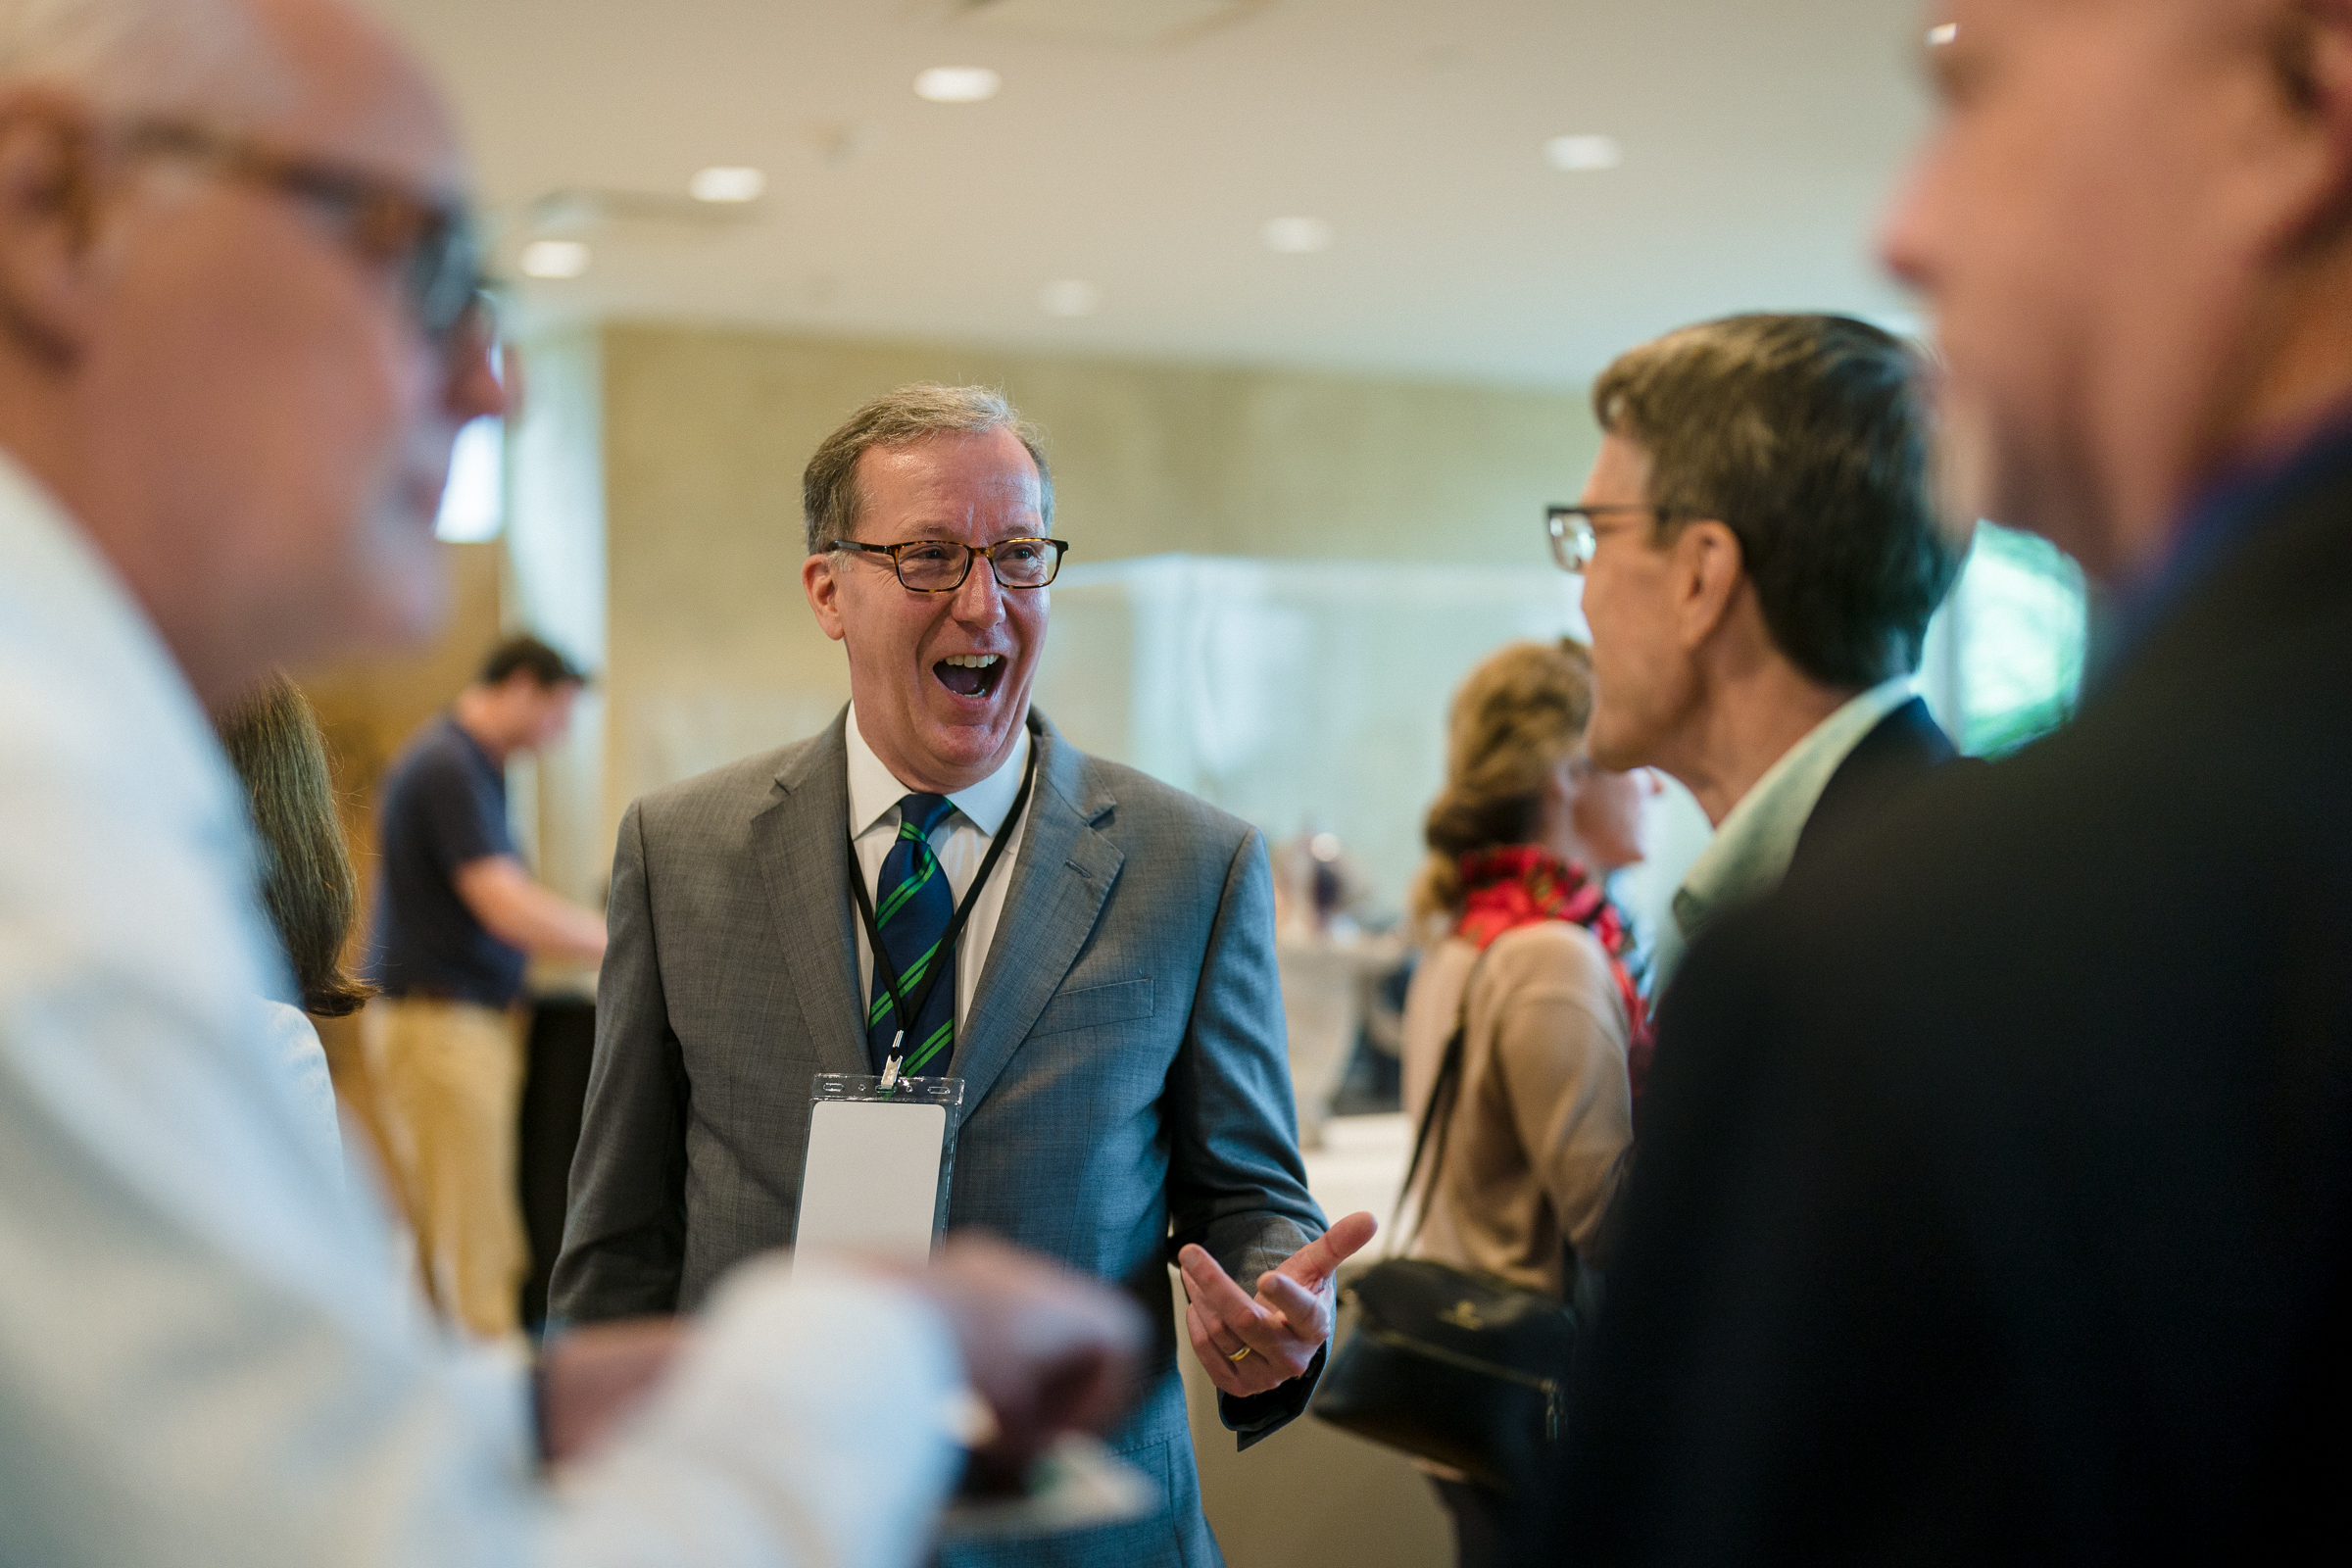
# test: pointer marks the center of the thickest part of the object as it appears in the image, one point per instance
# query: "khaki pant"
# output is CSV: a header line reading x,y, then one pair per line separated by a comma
x,y
449,1080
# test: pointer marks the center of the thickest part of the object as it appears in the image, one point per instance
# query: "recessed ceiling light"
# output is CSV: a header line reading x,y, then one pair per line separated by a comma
x,y
727,184
1939,36
958,84
1296,237
555,258
1583,154
1070,296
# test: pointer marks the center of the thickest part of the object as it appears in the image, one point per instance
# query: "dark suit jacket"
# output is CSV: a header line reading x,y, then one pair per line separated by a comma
x,y
1899,751
1995,1201
1126,1088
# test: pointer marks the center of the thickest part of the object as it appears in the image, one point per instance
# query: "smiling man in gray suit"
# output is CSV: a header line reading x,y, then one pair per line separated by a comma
x,y
1105,987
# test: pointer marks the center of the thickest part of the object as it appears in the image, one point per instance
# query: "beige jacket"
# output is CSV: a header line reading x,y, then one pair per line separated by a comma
x,y
1544,1118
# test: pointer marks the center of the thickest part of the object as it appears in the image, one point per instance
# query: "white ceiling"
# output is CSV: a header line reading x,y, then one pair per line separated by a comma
x,y
1759,137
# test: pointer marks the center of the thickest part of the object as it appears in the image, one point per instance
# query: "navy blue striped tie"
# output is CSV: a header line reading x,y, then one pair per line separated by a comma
x,y
913,906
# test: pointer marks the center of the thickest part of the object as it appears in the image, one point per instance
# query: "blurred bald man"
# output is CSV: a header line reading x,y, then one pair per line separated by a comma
x,y
239,329
1996,1199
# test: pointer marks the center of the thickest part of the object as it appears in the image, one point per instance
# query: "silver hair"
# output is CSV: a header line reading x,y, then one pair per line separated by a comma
x,y
132,57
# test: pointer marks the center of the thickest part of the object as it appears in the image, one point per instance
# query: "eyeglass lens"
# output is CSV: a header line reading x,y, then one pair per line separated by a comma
x,y
434,243
937,564
1572,539
445,276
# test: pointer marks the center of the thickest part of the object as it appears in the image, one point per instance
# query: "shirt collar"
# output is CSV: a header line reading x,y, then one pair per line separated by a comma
x,y
875,791
1752,850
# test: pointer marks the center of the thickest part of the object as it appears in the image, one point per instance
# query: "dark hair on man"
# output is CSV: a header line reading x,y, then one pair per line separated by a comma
x,y
546,667
272,741
1809,437
829,500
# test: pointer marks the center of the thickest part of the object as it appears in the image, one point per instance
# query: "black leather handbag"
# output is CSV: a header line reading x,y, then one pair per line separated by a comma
x,y
1460,1368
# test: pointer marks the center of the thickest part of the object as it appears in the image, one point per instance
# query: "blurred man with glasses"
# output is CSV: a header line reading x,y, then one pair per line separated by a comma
x,y
940,885
1761,557
240,331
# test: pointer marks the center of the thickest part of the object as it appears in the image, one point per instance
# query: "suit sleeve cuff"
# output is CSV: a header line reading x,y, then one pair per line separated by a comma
x,y
1261,1415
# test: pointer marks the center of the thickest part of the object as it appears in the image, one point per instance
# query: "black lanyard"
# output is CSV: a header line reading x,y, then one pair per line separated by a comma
x,y
947,943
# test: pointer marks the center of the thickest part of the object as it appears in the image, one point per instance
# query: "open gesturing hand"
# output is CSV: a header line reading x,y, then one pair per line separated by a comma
x,y
1250,1346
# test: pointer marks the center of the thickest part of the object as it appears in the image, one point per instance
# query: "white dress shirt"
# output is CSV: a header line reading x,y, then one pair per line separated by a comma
x,y
961,842
294,1040
206,1356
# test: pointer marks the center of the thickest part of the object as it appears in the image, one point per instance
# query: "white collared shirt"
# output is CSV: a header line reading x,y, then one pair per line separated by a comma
x,y
961,842
206,1354
1756,839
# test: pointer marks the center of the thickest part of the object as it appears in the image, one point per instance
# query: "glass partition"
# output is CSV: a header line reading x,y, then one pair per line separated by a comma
x,y
1306,697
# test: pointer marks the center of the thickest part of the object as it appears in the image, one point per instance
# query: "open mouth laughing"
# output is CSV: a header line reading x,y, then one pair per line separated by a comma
x,y
970,674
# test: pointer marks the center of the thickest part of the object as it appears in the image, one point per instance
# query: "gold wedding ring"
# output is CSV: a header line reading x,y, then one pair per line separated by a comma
x,y
1238,1354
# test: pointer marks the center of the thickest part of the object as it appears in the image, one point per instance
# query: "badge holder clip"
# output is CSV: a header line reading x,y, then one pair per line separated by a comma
x,y
880,1158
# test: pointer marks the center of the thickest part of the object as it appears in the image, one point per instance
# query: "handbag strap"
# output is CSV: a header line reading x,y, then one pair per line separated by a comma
x,y
1437,1117
1438,1114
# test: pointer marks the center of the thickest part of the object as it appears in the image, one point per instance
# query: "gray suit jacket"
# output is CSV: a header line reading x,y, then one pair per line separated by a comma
x,y
1126,1089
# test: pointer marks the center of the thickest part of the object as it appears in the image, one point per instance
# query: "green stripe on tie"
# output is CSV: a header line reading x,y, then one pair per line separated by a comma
x,y
913,978
907,890
931,1047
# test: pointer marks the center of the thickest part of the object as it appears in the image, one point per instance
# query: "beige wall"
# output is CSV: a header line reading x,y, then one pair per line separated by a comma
x,y
369,707
655,527
713,651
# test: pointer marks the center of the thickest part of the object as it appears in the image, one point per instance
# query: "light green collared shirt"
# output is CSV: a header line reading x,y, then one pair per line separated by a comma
x,y
1753,846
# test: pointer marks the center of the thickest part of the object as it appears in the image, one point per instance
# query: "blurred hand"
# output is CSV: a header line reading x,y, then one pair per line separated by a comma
x,y
591,1378
1048,1350
1288,1322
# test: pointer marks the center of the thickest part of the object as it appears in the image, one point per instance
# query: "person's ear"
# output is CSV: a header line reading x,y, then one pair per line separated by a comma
x,y
2326,67
823,588
48,223
2291,185
1708,569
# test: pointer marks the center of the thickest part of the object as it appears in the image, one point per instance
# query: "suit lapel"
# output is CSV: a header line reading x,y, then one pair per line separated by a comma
x,y
802,840
1059,884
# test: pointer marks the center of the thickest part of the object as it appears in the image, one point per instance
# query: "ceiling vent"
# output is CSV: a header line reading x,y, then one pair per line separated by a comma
x,y
1144,23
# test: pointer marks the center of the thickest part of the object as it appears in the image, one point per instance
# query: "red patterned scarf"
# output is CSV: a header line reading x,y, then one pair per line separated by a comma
x,y
1521,884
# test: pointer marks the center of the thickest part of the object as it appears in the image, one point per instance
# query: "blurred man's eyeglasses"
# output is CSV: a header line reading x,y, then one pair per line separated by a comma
x,y
433,244
1573,539
940,565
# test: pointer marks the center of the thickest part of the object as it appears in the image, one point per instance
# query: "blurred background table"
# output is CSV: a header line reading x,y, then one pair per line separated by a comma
x,y
1327,986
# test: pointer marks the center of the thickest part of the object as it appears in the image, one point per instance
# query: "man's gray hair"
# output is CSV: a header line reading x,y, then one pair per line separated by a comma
x,y
1809,438
126,57
829,498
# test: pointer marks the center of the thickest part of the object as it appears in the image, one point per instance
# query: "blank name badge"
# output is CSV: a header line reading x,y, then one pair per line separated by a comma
x,y
878,1165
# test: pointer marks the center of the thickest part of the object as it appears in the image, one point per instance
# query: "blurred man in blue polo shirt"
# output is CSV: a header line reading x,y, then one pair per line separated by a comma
x,y
456,919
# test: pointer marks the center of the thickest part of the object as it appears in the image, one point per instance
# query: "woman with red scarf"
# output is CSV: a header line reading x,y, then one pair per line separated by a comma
x,y
1529,957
